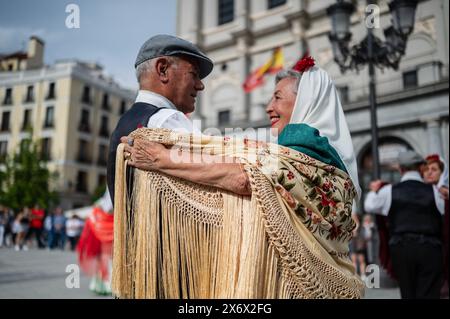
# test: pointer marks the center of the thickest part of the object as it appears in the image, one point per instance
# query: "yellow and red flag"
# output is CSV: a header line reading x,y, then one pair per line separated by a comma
x,y
256,78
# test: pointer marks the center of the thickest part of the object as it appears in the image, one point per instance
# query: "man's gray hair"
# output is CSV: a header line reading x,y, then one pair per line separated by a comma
x,y
283,74
144,67
148,65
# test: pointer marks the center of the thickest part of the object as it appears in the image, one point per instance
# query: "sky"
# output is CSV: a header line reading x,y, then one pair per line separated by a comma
x,y
111,31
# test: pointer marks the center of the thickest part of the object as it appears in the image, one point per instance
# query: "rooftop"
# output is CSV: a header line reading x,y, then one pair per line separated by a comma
x,y
18,54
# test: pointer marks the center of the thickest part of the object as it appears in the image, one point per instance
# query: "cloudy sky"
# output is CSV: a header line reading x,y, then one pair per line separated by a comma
x,y
111,31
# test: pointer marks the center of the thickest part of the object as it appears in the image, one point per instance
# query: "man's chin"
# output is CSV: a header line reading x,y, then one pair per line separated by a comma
x,y
188,109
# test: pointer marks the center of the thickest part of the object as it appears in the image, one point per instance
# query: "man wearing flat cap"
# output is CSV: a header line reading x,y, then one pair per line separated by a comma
x,y
414,211
170,72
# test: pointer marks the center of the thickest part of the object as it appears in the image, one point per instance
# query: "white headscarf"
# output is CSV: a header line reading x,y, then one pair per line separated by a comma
x,y
443,179
318,105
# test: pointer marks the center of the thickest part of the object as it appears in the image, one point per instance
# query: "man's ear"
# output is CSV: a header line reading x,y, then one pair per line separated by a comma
x,y
162,67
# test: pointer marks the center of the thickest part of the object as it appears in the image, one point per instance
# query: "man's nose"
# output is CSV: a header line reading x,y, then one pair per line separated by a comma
x,y
199,86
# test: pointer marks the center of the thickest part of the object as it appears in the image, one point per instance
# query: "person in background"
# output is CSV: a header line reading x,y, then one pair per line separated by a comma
x,y
9,237
59,231
74,226
36,223
3,223
414,210
368,228
357,245
20,228
359,252
48,230
95,246
436,173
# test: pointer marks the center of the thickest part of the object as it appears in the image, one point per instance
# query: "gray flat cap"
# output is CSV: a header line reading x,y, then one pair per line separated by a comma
x,y
409,158
168,45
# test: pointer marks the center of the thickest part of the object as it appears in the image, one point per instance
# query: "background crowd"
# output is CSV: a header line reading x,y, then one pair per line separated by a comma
x,y
39,228
371,237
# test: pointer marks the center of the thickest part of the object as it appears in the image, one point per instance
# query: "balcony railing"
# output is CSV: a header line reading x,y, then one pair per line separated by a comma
x,y
104,133
102,161
84,127
83,158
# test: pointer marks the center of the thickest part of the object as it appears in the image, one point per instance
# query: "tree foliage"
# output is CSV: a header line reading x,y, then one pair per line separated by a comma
x,y
25,179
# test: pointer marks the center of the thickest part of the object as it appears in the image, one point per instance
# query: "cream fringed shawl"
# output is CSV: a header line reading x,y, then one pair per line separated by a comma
x,y
177,239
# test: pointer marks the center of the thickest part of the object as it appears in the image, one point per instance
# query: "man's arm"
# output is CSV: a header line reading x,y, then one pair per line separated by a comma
x,y
378,202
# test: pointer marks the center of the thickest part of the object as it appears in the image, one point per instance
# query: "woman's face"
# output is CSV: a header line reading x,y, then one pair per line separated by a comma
x,y
432,173
281,104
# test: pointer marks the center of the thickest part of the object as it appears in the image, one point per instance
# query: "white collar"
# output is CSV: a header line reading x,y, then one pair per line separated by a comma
x,y
411,176
145,96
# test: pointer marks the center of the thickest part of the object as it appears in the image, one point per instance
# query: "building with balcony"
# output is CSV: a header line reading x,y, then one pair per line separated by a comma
x,y
72,108
240,36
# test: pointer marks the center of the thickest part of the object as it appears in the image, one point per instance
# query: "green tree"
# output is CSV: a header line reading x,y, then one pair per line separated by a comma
x,y
25,179
99,191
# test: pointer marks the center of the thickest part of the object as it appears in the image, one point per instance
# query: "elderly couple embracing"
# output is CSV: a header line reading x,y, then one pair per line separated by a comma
x,y
253,219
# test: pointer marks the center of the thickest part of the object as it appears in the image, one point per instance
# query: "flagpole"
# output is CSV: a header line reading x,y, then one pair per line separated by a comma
x,y
247,99
247,61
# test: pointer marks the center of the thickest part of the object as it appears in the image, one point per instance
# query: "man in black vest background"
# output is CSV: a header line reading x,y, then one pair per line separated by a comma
x,y
169,71
415,211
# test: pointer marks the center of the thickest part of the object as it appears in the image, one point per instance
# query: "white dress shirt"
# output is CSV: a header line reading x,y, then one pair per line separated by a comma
x,y
169,117
380,203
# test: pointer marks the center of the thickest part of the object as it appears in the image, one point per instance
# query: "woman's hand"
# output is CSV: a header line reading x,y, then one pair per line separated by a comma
x,y
145,155
444,192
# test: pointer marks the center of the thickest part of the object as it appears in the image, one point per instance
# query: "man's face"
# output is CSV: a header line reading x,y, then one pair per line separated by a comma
x,y
184,84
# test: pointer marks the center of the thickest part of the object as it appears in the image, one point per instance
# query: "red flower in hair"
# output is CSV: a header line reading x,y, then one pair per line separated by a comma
x,y
433,158
304,64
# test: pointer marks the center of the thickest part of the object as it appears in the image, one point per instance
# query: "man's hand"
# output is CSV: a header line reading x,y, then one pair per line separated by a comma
x,y
145,155
376,185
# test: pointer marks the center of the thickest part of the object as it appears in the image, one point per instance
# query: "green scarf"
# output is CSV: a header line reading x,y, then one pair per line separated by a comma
x,y
305,139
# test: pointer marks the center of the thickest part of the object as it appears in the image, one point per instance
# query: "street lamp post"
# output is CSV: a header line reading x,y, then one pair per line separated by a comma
x,y
373,106
371,50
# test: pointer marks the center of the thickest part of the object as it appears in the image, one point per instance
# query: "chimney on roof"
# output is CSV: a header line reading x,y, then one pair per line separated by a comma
x,y
35,58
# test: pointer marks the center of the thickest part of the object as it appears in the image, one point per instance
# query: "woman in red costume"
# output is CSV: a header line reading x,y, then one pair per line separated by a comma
x,y
95,245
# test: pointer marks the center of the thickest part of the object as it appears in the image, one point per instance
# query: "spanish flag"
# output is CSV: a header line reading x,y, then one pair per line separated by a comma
x,y
256,78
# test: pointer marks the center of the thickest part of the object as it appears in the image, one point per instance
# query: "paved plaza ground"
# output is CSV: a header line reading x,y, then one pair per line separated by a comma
x,y
42,274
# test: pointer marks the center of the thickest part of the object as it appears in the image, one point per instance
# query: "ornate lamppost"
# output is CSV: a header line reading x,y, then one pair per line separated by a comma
x,y
371,50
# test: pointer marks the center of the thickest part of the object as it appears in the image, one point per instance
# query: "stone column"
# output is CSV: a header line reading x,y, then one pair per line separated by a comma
x,y
299,23
434,141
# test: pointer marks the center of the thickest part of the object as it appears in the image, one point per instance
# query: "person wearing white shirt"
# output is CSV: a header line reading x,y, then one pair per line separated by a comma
x,y
168,116
170,72
414,212
74,226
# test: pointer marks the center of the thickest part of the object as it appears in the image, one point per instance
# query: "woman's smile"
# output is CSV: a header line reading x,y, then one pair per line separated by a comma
x,y
282,104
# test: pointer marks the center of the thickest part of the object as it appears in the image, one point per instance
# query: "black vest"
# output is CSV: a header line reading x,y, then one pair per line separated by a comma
x,y
413,210
137,116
